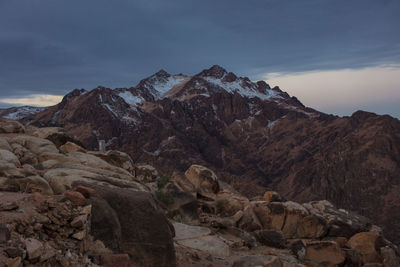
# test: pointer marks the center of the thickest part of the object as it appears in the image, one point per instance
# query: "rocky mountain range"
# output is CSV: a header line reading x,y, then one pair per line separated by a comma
x,y
254,137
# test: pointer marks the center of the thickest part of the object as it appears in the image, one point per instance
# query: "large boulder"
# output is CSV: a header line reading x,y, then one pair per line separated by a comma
x,y
294,214
9,157
249,220
271,238
34,144
145,173
339,222
116,158
228,203
62,179
204,181
311,226
272,196
56,135
30,184
8,169
323,253
367,244
4,144
285,216
24,155
270,215
131,222
11,126
71,147
180,205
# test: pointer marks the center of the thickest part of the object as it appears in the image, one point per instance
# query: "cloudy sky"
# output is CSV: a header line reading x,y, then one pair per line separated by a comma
x,y
335,55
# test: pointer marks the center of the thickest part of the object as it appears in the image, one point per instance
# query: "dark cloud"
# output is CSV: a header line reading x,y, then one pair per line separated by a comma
x,y
52,46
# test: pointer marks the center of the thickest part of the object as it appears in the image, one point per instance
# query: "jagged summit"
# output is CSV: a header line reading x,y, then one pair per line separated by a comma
x,y
162,73
215,71
209,81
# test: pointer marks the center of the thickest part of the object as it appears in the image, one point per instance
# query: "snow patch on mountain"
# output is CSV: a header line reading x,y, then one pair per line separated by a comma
x,y
244,90
161,85
22,112
131,99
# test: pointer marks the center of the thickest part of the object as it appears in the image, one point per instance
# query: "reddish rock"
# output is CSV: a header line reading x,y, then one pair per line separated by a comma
x,y
4,233
34,248
84,190
114,260
75,197
37,198
79,222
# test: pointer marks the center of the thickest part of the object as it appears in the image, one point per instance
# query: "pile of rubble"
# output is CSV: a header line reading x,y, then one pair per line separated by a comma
x,y
50,231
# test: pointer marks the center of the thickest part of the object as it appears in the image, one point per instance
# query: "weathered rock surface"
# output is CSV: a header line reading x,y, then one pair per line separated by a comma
x,y
131,222
199,238
204,180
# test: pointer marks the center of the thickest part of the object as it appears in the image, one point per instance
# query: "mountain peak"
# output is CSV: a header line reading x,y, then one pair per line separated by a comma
x,y
162,73
215,71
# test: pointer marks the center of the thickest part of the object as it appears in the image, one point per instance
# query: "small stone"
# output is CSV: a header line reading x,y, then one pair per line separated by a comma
x,y
14,252
75,197
53,218
299,249
37,227
16,262
33,248
7,206
79,222
29,230
4,233
86,210
87,192
272,196
79,235
49,252
38,198
112,260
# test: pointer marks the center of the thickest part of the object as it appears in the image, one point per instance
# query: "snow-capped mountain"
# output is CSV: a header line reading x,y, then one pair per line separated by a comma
x,y
255,137
17,113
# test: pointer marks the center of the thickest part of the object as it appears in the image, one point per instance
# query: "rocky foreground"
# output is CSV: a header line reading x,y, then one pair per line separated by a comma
x,y
62,205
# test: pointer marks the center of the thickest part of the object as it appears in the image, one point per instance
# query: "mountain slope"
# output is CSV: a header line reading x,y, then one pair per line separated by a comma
x,y
253,136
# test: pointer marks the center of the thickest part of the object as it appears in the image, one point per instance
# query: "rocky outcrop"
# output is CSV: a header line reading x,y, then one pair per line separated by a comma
x,y
66,179
313,233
